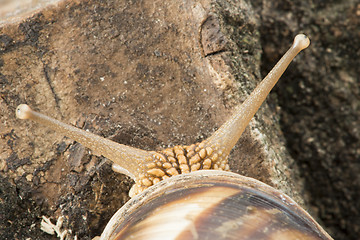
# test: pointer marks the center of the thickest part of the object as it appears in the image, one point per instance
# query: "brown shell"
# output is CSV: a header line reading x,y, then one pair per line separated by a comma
x,y
212,204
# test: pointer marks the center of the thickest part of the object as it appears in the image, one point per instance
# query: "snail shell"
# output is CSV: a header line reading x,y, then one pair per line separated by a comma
x,y
212,204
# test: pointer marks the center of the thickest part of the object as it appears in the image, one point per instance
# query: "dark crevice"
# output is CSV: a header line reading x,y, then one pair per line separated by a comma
x,y
46,70
216,53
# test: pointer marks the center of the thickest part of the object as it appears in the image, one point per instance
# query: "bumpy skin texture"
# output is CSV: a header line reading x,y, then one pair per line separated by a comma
x,y
179,160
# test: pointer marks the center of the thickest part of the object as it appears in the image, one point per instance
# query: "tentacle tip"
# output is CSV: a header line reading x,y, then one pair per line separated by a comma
x,y
23,111
301,41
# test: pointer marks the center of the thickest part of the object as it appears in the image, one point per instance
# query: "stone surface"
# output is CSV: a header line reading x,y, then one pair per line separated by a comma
x,y
320,107
135,72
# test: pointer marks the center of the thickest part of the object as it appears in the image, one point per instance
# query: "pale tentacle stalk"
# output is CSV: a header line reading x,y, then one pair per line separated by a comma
x,y
148,168
229,133
128,158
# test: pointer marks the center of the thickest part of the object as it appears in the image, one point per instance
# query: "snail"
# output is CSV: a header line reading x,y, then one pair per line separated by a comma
x,y
188,192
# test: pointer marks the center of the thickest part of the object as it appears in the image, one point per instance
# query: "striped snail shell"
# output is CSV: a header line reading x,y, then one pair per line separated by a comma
x,y
212,204
172,199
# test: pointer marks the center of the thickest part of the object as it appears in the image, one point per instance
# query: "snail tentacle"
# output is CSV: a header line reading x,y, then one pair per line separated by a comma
x,y
229,133
126,157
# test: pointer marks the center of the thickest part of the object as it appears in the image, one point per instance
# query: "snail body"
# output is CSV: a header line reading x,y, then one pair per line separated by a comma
x,y
172,199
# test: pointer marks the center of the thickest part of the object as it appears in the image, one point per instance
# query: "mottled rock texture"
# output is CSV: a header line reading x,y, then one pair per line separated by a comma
x,y
153,74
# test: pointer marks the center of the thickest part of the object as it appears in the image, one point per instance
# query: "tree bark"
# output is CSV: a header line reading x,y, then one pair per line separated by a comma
x,y
156,74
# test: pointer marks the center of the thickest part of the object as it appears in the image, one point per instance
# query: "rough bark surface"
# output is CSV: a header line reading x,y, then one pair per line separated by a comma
x,y
320,103
152,74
